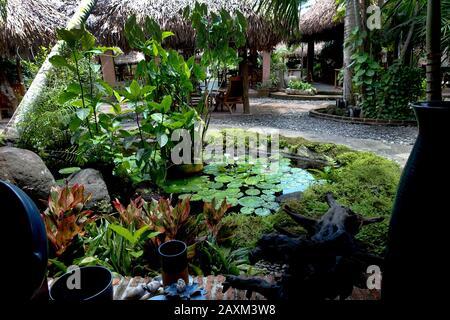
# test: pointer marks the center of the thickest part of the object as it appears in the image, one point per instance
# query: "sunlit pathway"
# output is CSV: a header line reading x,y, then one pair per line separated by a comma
x,y
291,119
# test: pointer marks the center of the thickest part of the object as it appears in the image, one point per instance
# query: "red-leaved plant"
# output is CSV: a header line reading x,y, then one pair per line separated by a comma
x,y
65,217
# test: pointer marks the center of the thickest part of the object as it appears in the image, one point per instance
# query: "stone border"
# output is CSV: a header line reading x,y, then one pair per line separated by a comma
x,y
317,97
318,113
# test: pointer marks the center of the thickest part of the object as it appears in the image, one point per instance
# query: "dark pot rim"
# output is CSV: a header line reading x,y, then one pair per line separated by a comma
x,y
172,255
435,105
83,268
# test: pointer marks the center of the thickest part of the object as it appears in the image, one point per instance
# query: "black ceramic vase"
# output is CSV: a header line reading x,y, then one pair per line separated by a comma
x,y
174,262
96,284
418,246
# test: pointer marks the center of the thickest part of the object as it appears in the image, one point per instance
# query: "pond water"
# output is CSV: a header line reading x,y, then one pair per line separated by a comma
x,y
249,186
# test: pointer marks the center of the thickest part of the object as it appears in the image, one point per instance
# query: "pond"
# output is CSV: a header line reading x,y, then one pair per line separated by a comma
x,y
249,186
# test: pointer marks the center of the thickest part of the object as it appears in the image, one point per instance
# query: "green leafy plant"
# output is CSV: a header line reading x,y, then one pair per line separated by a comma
x,y
91,131
300,85
65,217
117,247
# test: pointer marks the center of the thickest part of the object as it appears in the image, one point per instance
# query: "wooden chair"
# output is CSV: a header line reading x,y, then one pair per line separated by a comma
x,y
233,95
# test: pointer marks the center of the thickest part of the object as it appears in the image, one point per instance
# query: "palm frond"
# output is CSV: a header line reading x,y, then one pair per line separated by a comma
x,y
286,10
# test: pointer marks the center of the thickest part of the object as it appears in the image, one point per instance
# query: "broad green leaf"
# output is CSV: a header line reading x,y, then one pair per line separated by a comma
x,y
60,62
166,103
74,88
87,41
119,98
108,89
66,97
135,89
75,124
83,113
158,117
138,234
167,34
162,139
121,231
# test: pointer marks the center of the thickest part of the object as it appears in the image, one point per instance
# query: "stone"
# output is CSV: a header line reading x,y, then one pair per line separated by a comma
x,y
95,185
26,170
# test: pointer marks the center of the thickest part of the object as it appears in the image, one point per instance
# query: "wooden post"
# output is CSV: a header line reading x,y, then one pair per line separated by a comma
x,y
108,70
310,61
243,69
434,89
266,55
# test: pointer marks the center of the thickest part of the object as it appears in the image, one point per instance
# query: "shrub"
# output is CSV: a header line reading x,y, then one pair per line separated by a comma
x,y
300,85
389,95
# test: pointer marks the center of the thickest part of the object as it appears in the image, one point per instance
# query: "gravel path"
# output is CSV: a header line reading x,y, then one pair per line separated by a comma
x,y
292,119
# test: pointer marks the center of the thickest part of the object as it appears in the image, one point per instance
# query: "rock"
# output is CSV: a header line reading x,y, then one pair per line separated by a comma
x,y
289,197
26,169
94,184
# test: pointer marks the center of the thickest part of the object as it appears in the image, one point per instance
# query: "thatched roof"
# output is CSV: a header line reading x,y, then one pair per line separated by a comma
x,y
111,16
29,25
319,22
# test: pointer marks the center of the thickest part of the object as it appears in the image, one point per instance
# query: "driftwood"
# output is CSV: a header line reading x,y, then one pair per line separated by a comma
x,y
326,263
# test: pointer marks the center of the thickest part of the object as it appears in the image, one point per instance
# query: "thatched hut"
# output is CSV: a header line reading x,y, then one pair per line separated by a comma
x,y
111,15
320,24
28,25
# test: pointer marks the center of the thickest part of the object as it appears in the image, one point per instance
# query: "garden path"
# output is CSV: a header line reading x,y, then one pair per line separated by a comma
x,y
292,120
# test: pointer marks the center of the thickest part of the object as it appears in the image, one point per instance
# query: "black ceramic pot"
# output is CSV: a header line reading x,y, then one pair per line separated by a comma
x,y
173,261
418,247
96,285
24,245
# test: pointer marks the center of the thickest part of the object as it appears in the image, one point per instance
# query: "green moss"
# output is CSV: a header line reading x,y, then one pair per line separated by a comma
x,y
367,184
322,149
249,229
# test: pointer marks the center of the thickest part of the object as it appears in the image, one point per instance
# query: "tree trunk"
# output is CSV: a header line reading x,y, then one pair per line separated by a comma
x,y
310,61
434,89
349,25
40,81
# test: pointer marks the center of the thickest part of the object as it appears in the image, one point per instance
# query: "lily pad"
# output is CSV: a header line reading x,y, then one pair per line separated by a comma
x,y
274,206
253,192
247,210
223,178
234,184
215,185
251,201
262,212
232,201
268,197
266,185
252,180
